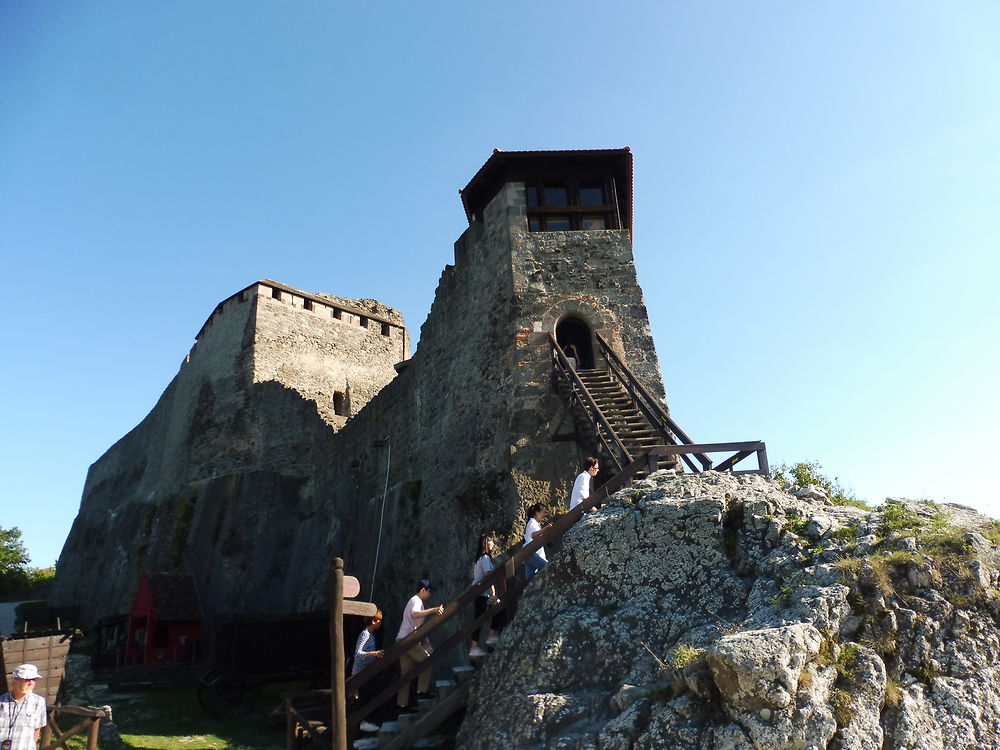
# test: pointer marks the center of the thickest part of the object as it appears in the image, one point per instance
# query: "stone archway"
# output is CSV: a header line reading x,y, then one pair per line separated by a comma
x,y
576,340
579,318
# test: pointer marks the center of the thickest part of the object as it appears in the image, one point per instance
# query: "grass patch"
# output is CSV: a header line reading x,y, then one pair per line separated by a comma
x,y
810,472
827,650
784,597
897,517
992,532
843,706
843,533
171,719
683,655
850,567
794,524
893,692
884,645
843,664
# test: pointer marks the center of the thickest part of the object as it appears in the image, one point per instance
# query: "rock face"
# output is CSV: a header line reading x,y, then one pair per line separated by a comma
x,y
719,612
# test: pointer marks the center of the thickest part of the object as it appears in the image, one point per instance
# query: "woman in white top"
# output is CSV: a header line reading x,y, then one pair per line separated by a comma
x,y
536,515
480,569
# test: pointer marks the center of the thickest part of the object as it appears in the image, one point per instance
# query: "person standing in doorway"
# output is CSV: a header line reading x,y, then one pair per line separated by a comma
x,y
22,713
581,487
412,615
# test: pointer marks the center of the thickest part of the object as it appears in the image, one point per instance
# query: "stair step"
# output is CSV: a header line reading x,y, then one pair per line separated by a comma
x,y
389,730
435,740
463,674
425,704
368,743
445,688
405,721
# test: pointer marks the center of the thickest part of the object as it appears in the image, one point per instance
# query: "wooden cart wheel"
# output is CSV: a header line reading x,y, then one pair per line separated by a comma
x,y
220,694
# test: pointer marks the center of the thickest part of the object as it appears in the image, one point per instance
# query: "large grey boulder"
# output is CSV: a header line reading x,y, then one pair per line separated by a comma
x,y
717,611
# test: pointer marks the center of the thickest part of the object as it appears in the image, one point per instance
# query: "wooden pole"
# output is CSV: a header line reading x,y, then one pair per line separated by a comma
x,y
338,739
92,733
290,743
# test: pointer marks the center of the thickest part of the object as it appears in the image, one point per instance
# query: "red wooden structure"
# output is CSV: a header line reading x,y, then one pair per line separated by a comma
x,y
164,624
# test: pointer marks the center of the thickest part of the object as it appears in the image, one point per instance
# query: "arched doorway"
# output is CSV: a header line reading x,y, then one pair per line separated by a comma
x,y
573,332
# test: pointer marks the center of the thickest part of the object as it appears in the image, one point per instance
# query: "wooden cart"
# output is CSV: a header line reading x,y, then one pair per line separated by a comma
x,y
254,651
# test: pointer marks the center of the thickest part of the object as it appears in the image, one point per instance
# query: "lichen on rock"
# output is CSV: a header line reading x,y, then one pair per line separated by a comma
x,y
719,611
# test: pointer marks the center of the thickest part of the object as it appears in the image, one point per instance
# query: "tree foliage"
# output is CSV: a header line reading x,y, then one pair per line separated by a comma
x,y
14,571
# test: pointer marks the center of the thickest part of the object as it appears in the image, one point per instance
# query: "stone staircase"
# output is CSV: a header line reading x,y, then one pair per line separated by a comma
x,y
414,729
628,422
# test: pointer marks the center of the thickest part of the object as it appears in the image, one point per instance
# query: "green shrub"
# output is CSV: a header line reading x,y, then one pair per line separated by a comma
x,y
683,655
897,517
810,472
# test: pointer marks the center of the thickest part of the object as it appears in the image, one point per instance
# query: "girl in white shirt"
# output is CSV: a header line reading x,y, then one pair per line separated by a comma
x,y
536,515
482,568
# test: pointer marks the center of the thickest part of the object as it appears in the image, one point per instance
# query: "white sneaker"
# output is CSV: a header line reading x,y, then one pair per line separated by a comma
x,y
492,640
367,726
477,652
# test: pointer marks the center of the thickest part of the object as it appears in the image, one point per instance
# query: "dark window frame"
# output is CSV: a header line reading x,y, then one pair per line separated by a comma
x,y
539,215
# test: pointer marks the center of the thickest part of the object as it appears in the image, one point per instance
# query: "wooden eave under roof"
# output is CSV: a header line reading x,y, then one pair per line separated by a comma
x,y
514,166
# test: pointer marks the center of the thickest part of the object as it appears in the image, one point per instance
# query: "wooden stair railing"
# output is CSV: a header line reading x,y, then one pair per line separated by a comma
x,y
650,406
579,393
502,577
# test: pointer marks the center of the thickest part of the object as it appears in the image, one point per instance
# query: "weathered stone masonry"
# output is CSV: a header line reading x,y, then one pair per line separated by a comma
x,y
244,474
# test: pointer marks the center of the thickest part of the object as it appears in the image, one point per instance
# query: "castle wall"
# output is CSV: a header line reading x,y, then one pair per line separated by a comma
x,y
258,484
324,351
226,461
129,498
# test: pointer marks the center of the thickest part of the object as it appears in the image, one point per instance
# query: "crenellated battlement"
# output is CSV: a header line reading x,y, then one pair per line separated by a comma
x,y
381,320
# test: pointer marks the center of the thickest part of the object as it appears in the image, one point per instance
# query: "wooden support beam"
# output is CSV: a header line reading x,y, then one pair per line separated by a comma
x,y
364,609
338,733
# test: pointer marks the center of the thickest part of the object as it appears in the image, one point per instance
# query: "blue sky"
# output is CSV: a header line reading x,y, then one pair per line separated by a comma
x,y
816,192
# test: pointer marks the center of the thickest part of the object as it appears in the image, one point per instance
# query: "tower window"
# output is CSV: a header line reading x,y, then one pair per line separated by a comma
x,y
564,205
385,329
591,193
276,294
556,194
307,304
339,404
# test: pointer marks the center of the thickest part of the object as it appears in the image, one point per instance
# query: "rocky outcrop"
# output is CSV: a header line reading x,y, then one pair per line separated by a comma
x,y
720,611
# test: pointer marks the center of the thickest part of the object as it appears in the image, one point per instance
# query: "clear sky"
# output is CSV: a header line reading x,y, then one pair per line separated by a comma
x,y
816,205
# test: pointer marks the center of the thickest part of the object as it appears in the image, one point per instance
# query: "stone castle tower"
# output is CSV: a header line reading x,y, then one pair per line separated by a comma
x,y
299,429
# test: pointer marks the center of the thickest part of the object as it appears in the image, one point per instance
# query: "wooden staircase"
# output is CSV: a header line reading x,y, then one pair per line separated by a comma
x,y
626,419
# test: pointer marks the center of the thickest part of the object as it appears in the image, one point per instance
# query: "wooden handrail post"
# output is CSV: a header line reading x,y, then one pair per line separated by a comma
x,y
762,461
92,732
338,716
290,743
